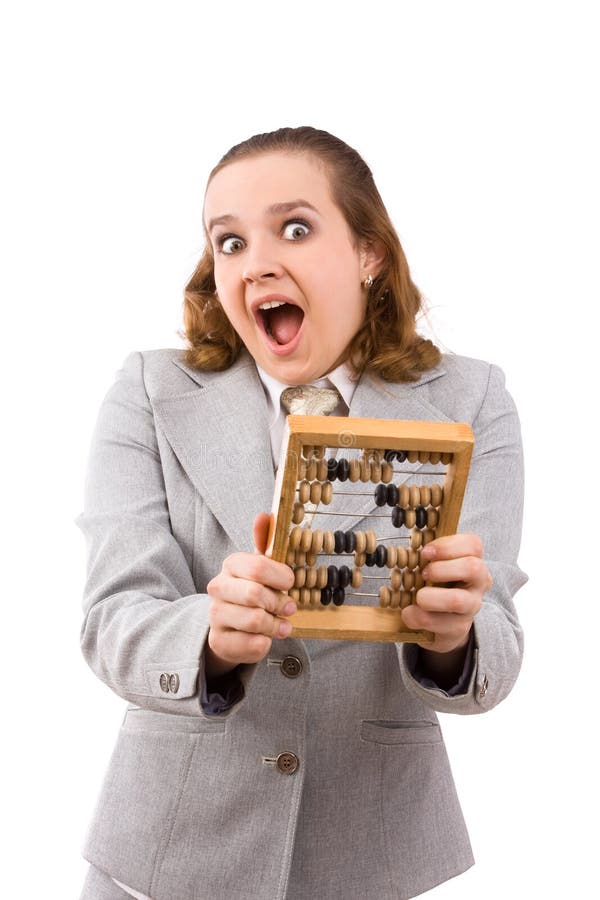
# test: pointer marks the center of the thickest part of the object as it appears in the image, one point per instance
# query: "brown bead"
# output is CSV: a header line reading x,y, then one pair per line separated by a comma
x,y
384,597
298,513
321,577
402,557
410,518
387,472
416,539
315,492
306,540
326,492
328,542
311,577
432,517
304,491
437,494
299,577
354,470
392,556
371,541
375,472
396,579
322,469
425,492
317,541
295,537
403,495
356,577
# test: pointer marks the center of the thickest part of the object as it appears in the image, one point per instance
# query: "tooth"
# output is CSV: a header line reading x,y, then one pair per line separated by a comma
x,y
272,304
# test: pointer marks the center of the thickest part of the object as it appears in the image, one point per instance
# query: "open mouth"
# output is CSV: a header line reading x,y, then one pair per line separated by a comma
x,y
281,321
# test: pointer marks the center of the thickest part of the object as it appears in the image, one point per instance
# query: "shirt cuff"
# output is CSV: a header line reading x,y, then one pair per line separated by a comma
x,y
222,693
461,686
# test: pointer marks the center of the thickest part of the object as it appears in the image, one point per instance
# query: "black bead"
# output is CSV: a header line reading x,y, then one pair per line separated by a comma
x,y
398,517
381,494
325,596
340,541
343,469
350,542
421,516
338,596
391,492
389,455
401,455
332,577
370,559
344,576
332,467
380,556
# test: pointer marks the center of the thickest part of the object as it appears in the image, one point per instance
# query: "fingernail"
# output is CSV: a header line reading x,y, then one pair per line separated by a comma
x,y
428,553
285,629
289,609
425,572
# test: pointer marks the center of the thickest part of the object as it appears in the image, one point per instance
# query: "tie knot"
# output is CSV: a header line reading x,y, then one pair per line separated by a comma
x,y
307,400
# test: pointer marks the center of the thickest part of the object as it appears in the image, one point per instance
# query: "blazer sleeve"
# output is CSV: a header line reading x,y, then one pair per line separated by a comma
x,y
145,625
493,509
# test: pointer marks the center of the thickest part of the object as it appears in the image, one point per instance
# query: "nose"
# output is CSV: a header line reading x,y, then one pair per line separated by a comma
x,y
260,266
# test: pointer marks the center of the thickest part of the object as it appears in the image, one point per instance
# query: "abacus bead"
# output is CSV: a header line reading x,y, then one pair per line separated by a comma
x,y
307,451
410,518
381,495
387,472
319,452
412,560
391,493
428,535
395,599
370,559
389,455
326,492
401,455
322,470
322,576
402,557
343,469
425,492
298,514
333,578
305,596
408,579
306,540
437,494
423,456
371,541
381,556
375,471
398,516
295,536
365,470
340,541
432,517
311,577
315,492
403,495
299,577
328,542
392,556
396,579
338,596
300,558
413,456
304,491
315,596
421,514
356,577
361,541
405,599
302,470
354,473
344,576
311,470
446,458
294,593
326,596
317,541
415,495
384,596
419,582
332,467
311,558
416,539
349,542
434,457
290,558
360,558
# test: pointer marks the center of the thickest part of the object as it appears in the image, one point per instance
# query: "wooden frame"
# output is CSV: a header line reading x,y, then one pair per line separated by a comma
x,y
443,447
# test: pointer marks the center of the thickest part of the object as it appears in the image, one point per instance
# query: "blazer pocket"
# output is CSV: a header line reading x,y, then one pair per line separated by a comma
x,y
149,721
382,732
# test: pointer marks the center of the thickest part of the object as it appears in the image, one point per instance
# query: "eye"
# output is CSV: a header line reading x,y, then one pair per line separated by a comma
x,y
295,230
229,244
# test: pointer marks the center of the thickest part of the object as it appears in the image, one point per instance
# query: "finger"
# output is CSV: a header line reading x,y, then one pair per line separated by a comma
x,y
445,625
470,570
260,531
454,600
453,546
255,567
250,620
239,647
240,592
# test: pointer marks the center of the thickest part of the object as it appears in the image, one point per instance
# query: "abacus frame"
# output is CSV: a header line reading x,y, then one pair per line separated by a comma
x,y
365,623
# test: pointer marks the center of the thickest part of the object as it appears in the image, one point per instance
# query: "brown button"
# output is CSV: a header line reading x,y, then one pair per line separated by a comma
x,y
174,683
291,666
287,762
164,682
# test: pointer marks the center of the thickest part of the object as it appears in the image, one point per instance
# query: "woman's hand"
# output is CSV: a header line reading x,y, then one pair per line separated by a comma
x,y
457,578
247,600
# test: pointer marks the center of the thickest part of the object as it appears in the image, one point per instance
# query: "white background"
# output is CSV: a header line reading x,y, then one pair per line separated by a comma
x,y
479,121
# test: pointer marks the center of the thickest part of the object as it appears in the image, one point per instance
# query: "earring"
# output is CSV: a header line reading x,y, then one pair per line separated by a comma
x,y
368,282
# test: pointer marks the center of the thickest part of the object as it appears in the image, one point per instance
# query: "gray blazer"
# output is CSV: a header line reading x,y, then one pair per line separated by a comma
x,y
191,809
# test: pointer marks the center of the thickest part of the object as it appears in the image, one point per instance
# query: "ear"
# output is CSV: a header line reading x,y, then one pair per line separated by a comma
x,y
372,259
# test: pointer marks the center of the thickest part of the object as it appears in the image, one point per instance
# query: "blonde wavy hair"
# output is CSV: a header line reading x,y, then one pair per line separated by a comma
x,y
387,343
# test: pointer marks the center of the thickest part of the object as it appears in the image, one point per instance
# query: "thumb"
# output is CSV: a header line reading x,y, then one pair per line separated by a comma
x,y
260,531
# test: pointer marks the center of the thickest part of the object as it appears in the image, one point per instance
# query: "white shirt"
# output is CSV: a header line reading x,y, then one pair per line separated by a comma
x,y
342,379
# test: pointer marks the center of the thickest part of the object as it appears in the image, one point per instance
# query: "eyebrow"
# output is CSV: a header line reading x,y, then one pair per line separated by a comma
x,y
273,210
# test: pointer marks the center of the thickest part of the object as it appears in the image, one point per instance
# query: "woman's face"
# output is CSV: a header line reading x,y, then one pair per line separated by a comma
x,y
287,271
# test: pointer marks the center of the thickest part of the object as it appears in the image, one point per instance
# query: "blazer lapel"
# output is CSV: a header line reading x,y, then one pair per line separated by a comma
x,y
219,431
376,399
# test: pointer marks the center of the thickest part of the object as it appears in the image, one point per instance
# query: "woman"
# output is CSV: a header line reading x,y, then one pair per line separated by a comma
x,y
303,281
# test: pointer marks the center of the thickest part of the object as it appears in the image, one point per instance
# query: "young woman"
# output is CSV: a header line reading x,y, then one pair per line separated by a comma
x,y
251,764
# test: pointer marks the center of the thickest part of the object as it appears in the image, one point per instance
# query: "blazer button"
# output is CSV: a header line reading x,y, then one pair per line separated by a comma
x,y
287,763
164,682
174,683
484,687
291,666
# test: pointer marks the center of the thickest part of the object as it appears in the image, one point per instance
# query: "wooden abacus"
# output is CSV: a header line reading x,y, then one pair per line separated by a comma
x,y
387,453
